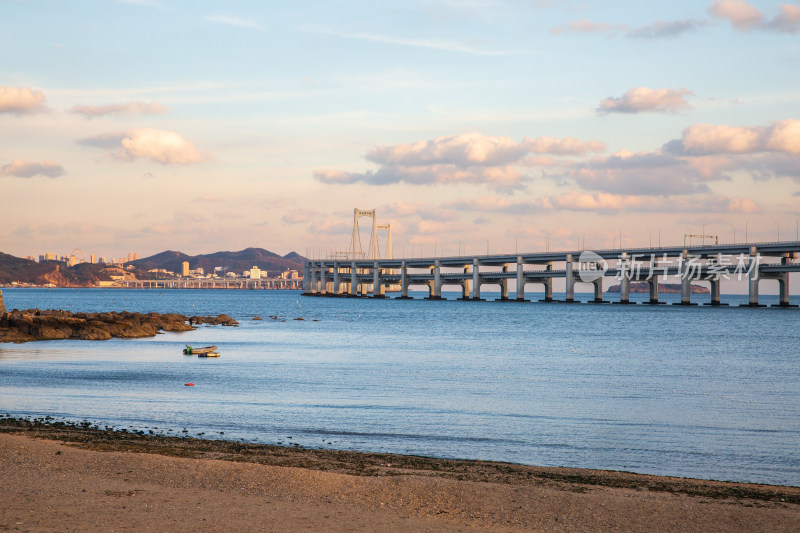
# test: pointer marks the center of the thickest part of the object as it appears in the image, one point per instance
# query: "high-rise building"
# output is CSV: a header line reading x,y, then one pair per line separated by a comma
x,y
185,268
92,259
255,273
103,259
136,256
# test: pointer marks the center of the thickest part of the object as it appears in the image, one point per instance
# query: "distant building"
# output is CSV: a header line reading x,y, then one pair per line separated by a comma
x,y
290,274
50,256
92,259
255,273
185,269
103,259
200,271
72,260
135,256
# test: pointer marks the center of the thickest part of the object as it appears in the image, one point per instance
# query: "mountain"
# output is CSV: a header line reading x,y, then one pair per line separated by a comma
x,y
294,256
169,260
229,261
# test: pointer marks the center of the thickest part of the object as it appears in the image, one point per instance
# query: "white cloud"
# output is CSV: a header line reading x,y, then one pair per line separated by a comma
x,y
165,147
119,110
29,169
643,99
465,150
745,17
741,15
21,100
708,139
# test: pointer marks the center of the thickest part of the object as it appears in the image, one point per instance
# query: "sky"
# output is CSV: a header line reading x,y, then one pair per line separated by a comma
x,y
469,125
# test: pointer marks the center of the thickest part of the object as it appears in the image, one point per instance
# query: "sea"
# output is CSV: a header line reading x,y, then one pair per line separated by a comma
x,y
701,392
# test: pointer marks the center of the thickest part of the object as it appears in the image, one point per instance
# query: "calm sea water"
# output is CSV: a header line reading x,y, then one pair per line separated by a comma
x,y
698,392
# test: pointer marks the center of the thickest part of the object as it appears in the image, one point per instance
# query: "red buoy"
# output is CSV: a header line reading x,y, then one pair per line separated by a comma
x,y
189,384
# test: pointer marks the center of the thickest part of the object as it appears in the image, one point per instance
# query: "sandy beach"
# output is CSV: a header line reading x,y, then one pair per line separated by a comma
x,y
79,479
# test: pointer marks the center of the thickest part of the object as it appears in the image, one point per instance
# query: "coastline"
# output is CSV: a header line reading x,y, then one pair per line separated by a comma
x,y
372,491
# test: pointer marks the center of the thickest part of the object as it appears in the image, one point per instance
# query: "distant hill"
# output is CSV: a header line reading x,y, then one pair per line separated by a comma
x,y
230,261
663,288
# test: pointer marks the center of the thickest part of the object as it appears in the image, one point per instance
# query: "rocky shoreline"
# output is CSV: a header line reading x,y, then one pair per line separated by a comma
x,y
37,325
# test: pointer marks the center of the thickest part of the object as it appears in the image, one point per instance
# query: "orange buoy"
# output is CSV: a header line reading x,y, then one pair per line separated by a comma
x,y
189,384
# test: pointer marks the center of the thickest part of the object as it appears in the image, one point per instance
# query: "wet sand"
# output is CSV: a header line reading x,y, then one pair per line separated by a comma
x,y
58,478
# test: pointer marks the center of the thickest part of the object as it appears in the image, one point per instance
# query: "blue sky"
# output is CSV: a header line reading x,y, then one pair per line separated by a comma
x,y
201,126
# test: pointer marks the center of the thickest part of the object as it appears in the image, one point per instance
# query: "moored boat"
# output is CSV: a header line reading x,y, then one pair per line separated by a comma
x,y
198,351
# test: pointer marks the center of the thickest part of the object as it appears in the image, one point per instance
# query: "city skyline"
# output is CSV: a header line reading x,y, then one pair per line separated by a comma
x,y
157,125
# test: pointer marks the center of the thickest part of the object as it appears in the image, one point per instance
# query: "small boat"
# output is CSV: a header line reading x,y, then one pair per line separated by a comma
x,y
208,354
198,351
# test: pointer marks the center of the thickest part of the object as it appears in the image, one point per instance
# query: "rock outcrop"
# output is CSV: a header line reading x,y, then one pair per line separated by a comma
x,y
220,320
35,324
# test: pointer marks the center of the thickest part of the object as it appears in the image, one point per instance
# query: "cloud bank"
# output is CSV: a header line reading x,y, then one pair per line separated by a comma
x,y
466,158
21,101
29,169
161,146
119,110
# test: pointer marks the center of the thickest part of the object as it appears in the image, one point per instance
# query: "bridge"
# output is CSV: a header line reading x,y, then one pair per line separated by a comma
x,y
213,283
713,264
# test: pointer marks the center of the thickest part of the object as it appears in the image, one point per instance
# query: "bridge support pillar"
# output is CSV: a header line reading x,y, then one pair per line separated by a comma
x,y
783,281
378,290
520,281
625,289
504,285
752,278
476,280
598,291
653,282
404,281
548,285
336,283
306,278
686,279
323,279
716,293
570,280
437,281
465,284
353,279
